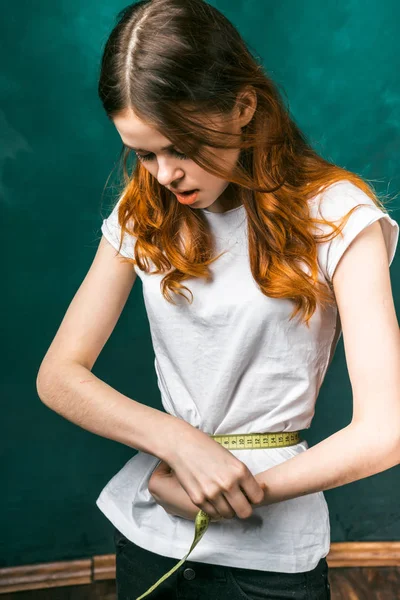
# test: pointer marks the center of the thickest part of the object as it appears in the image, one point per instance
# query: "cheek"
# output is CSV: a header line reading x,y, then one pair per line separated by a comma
x,y
149,166
226,161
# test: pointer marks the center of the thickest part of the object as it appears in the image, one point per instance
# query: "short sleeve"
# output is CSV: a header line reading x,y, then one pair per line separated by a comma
x,y
333,204
112,232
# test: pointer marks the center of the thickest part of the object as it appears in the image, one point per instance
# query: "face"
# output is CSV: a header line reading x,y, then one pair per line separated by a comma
x,y
173,169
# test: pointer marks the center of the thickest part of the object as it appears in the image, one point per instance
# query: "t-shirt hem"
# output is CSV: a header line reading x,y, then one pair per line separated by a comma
x,y
204,553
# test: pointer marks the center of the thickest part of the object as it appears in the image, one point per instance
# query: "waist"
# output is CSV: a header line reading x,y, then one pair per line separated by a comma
x,y
244,441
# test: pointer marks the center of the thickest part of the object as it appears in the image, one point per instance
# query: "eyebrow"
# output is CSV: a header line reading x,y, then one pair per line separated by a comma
x,y
169,147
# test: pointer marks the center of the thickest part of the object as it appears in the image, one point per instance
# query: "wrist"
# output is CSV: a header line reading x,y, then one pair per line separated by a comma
x,y
172,429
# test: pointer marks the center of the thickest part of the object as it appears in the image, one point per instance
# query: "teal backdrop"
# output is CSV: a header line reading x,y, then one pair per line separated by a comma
x,y
338,64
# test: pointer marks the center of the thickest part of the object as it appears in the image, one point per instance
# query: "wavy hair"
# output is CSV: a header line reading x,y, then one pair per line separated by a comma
x,y
173,62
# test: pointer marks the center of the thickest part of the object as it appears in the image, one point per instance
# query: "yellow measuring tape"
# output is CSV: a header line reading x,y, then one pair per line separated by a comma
x,y
232,442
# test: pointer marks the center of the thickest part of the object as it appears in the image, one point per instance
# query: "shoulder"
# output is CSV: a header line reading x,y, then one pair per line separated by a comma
x,y
333,204
338,199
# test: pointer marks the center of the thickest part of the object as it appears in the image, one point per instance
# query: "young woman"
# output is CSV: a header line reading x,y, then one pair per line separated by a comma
x,y
281,251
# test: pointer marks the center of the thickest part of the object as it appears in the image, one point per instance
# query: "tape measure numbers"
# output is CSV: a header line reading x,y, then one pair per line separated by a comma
x,y
231,442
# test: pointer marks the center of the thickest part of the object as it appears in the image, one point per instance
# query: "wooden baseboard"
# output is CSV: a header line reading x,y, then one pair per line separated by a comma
x,y
96,568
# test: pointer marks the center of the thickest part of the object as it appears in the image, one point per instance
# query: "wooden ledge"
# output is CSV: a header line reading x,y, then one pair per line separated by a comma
x,y
96,568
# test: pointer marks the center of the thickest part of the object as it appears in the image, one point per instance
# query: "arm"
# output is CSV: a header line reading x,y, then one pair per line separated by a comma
x,y
370,444
346,456
71,390
350,454
65,382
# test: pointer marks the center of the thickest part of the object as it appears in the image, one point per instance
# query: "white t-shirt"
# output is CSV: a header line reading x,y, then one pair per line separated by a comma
x,y
231,362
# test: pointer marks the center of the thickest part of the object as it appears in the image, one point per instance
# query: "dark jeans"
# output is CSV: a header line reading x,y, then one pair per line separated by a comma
x,y
138,569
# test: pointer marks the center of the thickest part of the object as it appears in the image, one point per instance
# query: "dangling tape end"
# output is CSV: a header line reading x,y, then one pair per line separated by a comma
x,y
201,523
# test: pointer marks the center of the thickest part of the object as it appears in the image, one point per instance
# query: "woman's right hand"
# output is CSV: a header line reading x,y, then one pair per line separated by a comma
x,y
214,479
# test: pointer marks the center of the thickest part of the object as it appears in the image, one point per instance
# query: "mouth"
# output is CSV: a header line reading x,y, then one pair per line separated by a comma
x,y
187,197
186,192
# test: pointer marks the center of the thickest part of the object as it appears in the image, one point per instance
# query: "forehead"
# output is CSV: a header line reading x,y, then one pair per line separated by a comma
x,y
137,134
143,137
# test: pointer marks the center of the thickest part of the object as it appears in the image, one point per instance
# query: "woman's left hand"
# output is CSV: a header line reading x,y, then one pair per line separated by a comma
x,y
166,490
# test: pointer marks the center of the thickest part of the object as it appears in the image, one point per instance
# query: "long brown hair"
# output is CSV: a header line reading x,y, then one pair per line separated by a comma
x,y
173,62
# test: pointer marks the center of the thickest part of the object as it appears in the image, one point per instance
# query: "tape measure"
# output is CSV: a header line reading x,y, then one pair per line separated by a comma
x,y
232,442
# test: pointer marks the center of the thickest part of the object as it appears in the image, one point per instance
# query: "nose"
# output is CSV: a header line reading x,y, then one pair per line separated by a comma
x,y
168,171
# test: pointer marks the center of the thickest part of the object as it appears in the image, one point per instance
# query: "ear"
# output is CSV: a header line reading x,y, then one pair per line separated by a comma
x,y
246,104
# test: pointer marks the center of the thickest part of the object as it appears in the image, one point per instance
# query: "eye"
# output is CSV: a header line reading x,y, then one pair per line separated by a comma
x,y
150,156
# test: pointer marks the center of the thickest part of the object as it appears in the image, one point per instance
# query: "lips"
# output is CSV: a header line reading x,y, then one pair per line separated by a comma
x,y
188,198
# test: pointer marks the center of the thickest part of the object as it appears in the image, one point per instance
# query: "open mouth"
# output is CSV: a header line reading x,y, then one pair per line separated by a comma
x,y
188,192
188,197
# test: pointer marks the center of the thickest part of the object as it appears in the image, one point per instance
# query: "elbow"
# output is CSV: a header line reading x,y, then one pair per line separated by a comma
x,y
44,385
395,449
381,440
392,454
41,386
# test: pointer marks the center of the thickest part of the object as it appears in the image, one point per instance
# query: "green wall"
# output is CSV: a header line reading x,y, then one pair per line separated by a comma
x,y
338,64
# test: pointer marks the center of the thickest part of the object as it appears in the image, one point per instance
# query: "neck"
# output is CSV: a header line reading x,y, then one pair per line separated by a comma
x,y
229,199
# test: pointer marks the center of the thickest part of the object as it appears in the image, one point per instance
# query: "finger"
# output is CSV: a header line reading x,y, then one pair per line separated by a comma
x,y
247,492
251,489
210,508
215,519
239,502
222,506
222,502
